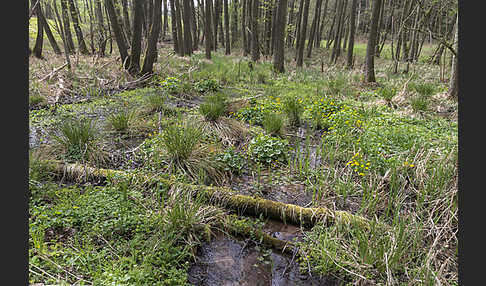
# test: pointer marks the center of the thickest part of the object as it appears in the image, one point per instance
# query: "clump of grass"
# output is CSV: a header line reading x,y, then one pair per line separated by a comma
x,y
184,153
387,93
121,121
156,102
293,108
273,123
213,107
37,99
419,103
78,139
423,88
337,85
190,217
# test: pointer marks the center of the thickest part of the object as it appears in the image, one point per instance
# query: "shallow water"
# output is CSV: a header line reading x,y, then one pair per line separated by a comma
x,y
229,261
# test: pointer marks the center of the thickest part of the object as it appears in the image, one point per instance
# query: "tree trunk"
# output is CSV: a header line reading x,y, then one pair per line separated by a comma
x,y
194,26
234,23
246,48
352,29
303,32
178,19
136,43
39,40
207,29
126,18
321,26
290,24
255,45
298,26
370,48
79,34
454,81
186,13
226,26
101,28
336,50
151,52
166,22
221,196
173,23
278,56
215,23
67,26
312,34
120,41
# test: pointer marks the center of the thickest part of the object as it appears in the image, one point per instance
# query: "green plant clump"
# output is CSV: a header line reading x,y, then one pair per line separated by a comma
x,y
171,84
207,85
266,149
273,123
231,161
121,121
213,107
293,107
78,138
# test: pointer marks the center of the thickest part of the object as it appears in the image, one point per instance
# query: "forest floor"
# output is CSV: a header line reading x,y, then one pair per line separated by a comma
x,y
312,137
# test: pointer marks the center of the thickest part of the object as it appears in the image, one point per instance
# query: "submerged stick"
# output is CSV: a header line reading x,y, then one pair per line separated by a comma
x,y
221,196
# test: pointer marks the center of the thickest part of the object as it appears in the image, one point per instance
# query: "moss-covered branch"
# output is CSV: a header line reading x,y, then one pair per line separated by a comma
x,y
225,197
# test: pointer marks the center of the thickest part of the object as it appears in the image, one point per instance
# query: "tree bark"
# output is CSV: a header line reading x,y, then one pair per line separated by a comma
x,y
352,29
454,80
246,47
79,34
173,23
67,26
207,30
312,34
151,52
226,26
120,40
178,19
166,22
255,44
39,40
370,48
136,42
278,56
101,28
186,12
303,32
234,23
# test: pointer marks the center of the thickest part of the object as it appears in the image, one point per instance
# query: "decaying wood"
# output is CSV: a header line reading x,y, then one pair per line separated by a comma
x,y
221,196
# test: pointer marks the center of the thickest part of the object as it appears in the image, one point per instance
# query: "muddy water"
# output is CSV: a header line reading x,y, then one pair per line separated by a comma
x,y
229,261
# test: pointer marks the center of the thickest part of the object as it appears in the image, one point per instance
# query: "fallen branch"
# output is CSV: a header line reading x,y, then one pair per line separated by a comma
x,y
53,72
221,196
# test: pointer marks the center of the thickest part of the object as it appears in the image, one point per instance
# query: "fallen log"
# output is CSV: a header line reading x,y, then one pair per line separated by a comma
x,y
221,196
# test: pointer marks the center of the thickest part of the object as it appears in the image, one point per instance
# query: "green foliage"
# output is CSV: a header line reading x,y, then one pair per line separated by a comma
x,y
172,85
293,108
156,101
387,93
419,103
338,85
78,138
273,123
319,110
121,120
422,88
266,149
37,99
180,141
231,161
213,107
207,85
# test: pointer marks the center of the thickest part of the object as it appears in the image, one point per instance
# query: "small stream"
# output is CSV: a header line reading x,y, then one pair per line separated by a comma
x,y
229,261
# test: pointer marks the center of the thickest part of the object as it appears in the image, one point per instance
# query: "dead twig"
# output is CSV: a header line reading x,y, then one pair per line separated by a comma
x,y
51,74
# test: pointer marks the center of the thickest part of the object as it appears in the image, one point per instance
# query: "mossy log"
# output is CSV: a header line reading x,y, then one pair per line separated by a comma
x,y
221,196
